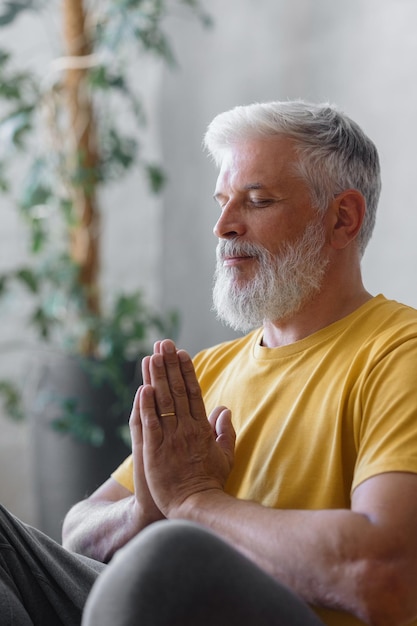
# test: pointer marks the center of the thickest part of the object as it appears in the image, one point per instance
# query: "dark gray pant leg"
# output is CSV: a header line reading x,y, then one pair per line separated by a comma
x,y
40,582
179,574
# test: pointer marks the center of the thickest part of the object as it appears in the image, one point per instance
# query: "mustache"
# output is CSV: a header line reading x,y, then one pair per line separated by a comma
x,y
227,248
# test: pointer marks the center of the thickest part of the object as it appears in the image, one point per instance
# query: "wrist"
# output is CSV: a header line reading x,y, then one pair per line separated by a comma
x,y
201,507
144,512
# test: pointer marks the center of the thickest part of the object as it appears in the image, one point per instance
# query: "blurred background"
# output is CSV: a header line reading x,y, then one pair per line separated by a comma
x,y
359,54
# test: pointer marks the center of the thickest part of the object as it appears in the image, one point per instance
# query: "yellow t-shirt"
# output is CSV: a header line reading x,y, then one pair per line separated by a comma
x,y
316,418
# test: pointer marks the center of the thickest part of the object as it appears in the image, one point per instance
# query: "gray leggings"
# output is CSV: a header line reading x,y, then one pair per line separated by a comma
x,y
172,574
179,574
41,583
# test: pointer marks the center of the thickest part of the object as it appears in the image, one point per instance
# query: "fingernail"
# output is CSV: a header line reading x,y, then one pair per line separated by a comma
x,y
158,360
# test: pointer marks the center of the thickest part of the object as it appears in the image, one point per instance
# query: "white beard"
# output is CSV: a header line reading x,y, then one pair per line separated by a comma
x,y
282,285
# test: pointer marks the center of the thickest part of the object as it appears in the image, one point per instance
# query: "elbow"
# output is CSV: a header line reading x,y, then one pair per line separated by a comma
x,y
386,593
73,537
68,532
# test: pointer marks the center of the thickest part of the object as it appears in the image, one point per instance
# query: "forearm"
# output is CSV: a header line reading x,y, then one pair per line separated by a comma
x,y
287,544
327,557
99,528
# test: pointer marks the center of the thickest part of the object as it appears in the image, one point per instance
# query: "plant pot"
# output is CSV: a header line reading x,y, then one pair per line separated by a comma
x,y
66,470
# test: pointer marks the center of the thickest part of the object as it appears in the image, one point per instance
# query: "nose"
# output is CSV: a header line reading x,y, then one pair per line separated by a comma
x,y
230,223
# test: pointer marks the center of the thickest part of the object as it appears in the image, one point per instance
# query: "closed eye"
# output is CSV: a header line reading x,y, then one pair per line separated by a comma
x,y
261,203
220,200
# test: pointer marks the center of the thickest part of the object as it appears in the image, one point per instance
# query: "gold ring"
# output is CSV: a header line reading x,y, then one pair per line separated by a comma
x,y
166,414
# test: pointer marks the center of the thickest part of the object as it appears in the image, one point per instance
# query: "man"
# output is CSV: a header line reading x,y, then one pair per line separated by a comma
x,y
315,503
320,491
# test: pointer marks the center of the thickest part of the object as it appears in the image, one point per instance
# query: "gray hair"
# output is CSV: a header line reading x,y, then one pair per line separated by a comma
x,y
335,154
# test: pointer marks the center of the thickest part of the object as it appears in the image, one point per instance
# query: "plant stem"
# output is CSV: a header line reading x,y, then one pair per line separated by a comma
x,y
84,246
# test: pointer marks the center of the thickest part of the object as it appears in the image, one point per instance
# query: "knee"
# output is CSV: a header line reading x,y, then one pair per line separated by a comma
x,y
165,545
167,557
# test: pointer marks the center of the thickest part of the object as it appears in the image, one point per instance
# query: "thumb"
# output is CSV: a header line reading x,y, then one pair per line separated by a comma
x,y
225,433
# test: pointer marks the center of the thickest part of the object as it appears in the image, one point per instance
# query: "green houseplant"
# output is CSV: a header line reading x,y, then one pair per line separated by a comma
x,y
69,131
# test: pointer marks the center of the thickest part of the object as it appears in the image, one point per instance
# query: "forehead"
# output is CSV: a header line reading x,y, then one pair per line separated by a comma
x,y
260,161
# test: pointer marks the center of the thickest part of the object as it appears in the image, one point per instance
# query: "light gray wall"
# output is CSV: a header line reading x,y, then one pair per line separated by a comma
x,y
359,54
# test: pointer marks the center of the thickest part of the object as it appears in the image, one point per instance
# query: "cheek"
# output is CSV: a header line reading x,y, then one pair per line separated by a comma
x,y
270,236
274,234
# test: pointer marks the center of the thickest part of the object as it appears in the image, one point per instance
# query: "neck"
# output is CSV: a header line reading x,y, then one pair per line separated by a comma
x,y
325,309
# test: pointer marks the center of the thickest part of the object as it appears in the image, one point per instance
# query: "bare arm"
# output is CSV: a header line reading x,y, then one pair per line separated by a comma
x,y
104,522
362,560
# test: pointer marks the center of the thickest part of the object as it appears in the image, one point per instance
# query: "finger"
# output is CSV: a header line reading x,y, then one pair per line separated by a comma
x,y
146,376
157,347
224,428
226,435
164,400
213,417
151,427
135,423
174,378
195,398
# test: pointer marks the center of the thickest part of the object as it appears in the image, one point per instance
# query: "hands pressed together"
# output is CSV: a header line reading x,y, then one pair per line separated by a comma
x,y
178,452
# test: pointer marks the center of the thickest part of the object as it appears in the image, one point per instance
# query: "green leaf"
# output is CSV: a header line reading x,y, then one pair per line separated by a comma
x,y
12,400
4,183
131,4
156,177
16,125
118,153
84,175
10,90
101,77
154,40
42,322
18,86
36,190
38,236
67,208
13,9
4,57
29,279
3,284
78,424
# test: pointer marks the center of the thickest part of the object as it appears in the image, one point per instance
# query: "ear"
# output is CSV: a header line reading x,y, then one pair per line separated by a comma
x,y
347,211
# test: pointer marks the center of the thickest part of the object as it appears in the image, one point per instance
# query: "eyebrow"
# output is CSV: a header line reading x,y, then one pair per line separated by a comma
x,y
247,187
250,186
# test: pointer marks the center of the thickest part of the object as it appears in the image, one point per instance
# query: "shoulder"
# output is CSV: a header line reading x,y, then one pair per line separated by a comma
x,y
226,351
388,311
381,323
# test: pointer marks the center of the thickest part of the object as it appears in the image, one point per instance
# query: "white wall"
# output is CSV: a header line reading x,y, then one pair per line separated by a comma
x,y
360,54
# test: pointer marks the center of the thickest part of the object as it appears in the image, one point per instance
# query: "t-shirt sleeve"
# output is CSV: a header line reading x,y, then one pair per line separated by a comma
x,y
124,474
387,437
